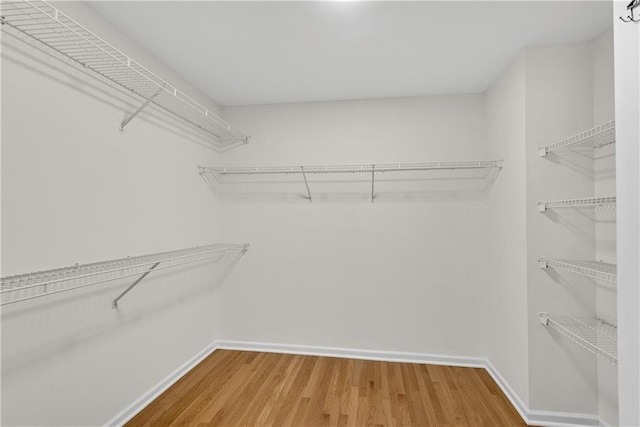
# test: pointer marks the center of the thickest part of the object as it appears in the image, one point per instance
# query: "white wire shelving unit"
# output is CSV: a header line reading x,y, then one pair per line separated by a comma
x,y
597,270
41,22
576,203
372,172
24,287
599,136
594,335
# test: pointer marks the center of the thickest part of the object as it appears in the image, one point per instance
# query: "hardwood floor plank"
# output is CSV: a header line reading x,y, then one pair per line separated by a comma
x,y
291,402
239,388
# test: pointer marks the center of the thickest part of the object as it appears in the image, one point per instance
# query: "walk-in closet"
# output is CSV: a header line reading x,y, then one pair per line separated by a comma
x,y
306,213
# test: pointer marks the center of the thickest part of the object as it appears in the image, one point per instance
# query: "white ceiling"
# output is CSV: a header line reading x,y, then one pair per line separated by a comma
x,y
241,53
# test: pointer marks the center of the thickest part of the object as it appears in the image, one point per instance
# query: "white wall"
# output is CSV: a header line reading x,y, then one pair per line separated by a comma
x,y
627,105
505,119
407,273
76,190
559,103
604,217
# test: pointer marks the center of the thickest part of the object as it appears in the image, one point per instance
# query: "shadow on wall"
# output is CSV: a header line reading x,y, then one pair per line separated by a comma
x,y
417,186
79,317
94,86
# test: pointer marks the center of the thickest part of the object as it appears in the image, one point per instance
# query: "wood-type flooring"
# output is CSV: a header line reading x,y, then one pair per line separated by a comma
x,y
241,388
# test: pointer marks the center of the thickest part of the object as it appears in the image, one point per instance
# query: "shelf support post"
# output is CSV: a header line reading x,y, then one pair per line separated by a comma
x,y
131,286
133,115
304,176
373,179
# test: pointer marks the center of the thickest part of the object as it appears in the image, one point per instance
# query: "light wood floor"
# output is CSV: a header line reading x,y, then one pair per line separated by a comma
x,y
239,388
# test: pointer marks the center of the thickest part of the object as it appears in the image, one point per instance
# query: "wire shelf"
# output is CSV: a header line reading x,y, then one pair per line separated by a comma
x,y
576,203
38,284
594,335
348,169
596,137
598,270
47,25
356,173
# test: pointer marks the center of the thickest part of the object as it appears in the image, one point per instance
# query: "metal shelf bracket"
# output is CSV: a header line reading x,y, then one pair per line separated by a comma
x,y
133,115
304,175
373,180
131,286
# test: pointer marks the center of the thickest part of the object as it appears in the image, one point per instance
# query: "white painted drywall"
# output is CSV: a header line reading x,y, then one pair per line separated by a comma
x,y
605,216
407,273
75,190
627,107
559,103
505,121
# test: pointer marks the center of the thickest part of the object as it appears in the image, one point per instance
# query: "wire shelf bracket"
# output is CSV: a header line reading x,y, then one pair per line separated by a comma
x,y
24,287
39,21
373,179
597,270
596,137
133,115
543,206
306,183
594,335
131,286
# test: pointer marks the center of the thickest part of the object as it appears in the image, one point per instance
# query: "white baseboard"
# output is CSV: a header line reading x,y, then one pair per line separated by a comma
x,y
561,419
513,397
155,391
538,418
350,353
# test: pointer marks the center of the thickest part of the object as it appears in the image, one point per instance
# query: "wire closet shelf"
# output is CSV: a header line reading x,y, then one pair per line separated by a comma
x,y
594,335
598,270
45,24
367,172
39,284
349,169
599,136
576,203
